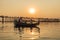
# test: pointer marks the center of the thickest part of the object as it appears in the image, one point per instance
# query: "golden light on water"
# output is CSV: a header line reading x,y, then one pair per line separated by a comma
x,y
32,32
32,38
31,10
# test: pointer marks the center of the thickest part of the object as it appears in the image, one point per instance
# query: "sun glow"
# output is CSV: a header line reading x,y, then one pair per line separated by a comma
x,y
31,10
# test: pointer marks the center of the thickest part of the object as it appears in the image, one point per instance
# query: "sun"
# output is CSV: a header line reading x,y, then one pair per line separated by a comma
x,y
31,10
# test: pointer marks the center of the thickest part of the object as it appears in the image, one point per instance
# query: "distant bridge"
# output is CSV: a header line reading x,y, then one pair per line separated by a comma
x,y
11,19
7,19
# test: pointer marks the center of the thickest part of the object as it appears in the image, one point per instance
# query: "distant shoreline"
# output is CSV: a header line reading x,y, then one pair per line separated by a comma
x,y
11,19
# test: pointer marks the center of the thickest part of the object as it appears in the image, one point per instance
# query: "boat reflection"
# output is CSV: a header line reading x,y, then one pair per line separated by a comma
x,y
27,34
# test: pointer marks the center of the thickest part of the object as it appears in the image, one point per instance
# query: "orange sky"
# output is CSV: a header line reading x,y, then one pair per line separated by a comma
x,y
44,8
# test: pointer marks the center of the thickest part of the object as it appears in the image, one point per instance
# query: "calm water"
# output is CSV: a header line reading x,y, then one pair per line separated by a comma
x,y
48,31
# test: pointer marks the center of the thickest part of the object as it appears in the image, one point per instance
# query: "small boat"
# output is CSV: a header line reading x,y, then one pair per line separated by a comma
x,y
20,23
25,23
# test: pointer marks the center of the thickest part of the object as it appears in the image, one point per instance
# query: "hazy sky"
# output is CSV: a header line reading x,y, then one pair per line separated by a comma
x,y
44,8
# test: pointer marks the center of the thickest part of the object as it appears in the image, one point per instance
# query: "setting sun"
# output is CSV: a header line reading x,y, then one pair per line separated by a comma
x,y
31,10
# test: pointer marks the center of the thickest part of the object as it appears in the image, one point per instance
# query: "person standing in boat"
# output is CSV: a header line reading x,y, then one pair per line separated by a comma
x,y
20,20
31,21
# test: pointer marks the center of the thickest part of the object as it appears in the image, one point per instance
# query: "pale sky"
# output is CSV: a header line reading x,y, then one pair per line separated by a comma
x,y
43,8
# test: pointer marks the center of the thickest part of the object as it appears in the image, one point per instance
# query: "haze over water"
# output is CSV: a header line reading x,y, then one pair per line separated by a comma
x,y
48,31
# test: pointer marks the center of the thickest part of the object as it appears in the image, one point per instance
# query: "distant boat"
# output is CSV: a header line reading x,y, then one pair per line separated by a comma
x,y
25,23
20,23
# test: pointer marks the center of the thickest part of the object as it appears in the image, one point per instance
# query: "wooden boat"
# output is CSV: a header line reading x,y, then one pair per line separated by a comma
x,y
25,23
20,23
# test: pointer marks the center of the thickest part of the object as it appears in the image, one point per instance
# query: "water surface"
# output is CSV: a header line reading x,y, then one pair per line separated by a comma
x,y
48,31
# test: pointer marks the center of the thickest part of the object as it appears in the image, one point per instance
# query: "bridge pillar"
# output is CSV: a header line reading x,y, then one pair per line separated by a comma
x,y
2,19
